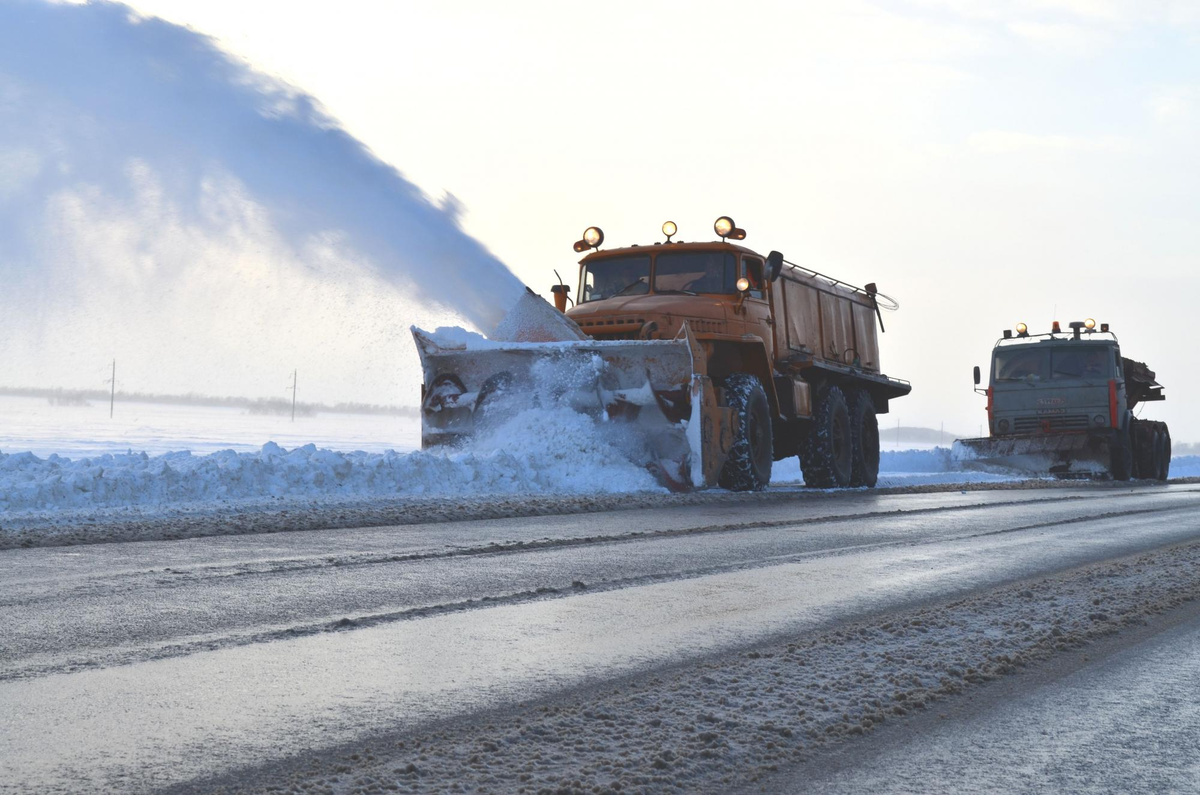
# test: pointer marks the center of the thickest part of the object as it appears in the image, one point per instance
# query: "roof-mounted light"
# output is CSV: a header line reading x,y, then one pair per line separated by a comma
x,y
726,228
1055,328
593,236
1089,324
669,229
1022,330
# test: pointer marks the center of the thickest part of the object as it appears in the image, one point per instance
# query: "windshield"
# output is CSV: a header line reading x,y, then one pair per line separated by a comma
x,y
1051,363
696,272
606,278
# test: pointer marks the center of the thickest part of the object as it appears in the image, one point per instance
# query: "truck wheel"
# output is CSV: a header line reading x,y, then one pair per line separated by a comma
x,y
748,467
1164,470
1122,455
1143,449
1154,456
831,446
864,435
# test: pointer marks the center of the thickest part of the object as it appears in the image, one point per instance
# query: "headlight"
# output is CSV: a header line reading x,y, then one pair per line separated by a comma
x,y
1002,426
1100,420
593,236
743,284
723,226
669,229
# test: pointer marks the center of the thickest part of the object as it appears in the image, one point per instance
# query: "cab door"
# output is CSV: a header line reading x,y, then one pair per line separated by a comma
x,y
757,306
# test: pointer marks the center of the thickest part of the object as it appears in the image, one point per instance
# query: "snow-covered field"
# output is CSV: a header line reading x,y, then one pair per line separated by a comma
x,y
33,425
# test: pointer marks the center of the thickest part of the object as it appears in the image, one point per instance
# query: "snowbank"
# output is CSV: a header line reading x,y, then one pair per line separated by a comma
x,y
537,451
1185,466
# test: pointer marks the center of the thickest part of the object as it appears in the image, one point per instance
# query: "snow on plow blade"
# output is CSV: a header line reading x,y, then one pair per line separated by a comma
x,y
1065,455
647,393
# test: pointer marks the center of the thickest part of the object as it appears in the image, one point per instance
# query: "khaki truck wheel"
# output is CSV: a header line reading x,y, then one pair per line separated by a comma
x,y
1155,456
831,444
1122,455
748,467
1164,471
864,435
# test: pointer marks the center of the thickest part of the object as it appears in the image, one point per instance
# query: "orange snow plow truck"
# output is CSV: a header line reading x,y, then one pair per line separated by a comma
x,y
705,361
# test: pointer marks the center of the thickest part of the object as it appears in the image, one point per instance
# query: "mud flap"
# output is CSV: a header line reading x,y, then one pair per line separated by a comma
x,y
660,407
1064,455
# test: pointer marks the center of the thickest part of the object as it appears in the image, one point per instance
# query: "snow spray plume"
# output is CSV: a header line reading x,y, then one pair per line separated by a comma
x,y
209,226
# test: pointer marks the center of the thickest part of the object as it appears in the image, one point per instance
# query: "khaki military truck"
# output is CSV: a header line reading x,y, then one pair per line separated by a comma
x,y
709,359
1064,404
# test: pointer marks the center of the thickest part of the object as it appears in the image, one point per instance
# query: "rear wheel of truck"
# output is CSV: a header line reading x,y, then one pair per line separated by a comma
x,y
831,445
1164,467
864,436
1154,443
748,467
1122,455
1144,464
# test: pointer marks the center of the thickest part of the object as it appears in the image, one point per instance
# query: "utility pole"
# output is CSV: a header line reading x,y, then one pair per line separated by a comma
x,y
112,396
294,373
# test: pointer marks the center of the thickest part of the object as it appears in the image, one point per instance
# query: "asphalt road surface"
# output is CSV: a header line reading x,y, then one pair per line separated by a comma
x,y
138,666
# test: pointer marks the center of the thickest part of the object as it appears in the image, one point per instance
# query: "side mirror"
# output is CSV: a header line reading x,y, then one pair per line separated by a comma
x,y
774,265
977,378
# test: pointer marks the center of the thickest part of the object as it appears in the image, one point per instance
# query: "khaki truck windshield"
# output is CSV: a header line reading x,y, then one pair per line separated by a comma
x,y
1051,364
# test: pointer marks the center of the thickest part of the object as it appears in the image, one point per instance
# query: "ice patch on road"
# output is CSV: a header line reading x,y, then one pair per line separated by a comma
x,y
536,451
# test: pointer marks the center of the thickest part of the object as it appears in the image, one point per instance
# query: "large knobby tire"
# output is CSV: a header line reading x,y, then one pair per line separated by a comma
x,y
1164,471
748,467
864,437
1122,455
830,445
1156,451
1144,464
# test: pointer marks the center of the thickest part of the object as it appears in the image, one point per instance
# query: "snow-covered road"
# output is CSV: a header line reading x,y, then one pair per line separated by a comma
x,y
123,665
1128,722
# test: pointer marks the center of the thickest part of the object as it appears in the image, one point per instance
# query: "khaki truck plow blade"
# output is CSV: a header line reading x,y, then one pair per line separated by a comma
x,y
652,397
1059,455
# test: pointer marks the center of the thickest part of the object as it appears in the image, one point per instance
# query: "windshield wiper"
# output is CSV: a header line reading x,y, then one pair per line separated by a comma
x,y
631,284
681,292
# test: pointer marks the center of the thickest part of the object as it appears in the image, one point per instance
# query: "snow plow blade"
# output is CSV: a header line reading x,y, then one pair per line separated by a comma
x,y
653,397
1064,455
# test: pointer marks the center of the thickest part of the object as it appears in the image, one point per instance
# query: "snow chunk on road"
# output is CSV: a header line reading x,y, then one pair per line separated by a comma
x,y
536,452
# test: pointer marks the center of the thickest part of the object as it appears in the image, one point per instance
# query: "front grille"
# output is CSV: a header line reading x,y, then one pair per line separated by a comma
x,y
601,329
1059,422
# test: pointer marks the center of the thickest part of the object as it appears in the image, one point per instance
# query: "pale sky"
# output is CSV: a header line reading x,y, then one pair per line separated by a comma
x,y
984,162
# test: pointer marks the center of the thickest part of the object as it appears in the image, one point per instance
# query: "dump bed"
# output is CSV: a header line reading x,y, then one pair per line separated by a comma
x,y
1140,383
820,317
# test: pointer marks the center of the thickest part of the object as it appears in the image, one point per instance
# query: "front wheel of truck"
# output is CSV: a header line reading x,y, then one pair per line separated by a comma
x,y
748,467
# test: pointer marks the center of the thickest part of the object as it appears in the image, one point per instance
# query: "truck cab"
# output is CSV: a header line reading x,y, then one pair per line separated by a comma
x,y
1055,384
647,292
